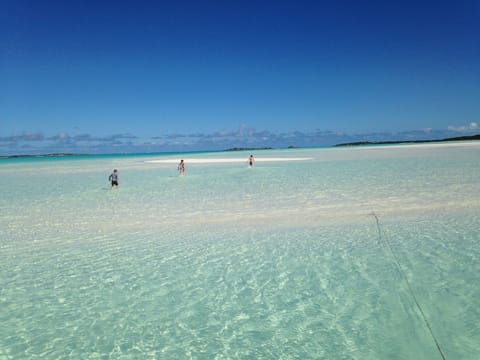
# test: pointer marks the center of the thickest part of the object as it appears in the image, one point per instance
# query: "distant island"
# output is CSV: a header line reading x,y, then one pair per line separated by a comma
x,y
248,149
38,156
460,138
256,148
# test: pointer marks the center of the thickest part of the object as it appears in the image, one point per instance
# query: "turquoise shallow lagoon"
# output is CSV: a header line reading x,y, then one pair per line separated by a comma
x,y
282,261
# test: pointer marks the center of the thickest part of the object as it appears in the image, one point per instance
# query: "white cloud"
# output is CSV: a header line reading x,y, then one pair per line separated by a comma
x,y
473,126
62,136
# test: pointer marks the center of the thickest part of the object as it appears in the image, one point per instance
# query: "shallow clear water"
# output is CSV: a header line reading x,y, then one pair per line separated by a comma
x,y
281,261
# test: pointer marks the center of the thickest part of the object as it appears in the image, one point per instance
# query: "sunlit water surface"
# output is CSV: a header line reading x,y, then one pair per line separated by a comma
x,y
282,261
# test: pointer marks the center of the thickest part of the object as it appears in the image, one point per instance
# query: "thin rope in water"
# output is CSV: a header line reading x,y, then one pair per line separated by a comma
x,y
402,272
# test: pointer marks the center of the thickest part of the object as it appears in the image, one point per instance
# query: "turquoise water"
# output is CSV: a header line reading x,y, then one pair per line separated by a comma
x,y
282,261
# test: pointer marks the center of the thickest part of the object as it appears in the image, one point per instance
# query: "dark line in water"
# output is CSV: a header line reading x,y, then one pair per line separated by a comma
x,y
400,269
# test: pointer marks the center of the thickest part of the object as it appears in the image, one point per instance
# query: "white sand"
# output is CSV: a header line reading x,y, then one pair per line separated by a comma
x,y
225,160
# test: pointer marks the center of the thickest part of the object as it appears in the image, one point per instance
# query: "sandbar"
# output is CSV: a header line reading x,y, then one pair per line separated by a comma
x,y
226,160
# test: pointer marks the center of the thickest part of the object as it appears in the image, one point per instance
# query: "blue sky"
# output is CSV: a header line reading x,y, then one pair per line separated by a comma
x,y
135,76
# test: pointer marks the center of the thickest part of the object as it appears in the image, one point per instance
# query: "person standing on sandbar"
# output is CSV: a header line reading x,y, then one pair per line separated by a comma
x,y
251,161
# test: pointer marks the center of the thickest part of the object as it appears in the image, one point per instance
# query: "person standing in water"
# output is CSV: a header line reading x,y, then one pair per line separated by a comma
x,y
251,161
114,178
181,168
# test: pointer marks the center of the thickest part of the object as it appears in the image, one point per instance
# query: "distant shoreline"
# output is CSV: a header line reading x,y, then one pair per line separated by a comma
x,y
256,148
352,144
362,143
39,155
248,149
